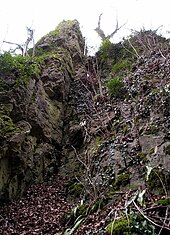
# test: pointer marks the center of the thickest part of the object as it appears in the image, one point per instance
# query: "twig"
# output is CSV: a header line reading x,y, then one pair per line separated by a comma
x,y
154,208
113,222
157,225
133,48
162,54
16,44
166,216
164,188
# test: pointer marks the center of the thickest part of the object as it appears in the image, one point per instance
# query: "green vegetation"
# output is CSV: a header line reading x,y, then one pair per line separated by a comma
x,y
121,180
164,201
122,66
7,126
99,140
131,225
105,49
152,130
75,190
142,157
116,88
18,68
158,180
118,227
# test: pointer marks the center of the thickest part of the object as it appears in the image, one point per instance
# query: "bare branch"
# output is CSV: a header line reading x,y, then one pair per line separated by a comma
x,y
30,33
116,29
24,48
20,47
136,53
101,32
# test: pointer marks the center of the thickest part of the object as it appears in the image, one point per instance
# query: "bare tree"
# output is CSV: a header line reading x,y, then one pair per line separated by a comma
x,y
24,47
30,33
101,32
18,46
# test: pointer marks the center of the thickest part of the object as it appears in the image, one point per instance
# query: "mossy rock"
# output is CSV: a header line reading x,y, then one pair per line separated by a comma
x,y
121,181
135,224
120,227
142,157
7,126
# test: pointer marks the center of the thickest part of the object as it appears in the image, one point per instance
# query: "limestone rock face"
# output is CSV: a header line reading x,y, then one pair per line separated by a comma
x,y
32,114
64,120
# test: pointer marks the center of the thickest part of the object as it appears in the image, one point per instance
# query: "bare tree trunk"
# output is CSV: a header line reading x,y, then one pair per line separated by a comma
x,y
101,32
30,38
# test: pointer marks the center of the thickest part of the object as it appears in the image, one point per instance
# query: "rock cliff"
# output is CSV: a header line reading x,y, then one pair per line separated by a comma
x,y
101,121
62,109
32,113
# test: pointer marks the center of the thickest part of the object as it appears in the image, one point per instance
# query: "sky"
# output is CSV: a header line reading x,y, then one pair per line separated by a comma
x,y
44,16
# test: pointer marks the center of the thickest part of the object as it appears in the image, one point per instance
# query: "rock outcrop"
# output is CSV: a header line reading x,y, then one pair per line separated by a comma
x,y
32,114
63,119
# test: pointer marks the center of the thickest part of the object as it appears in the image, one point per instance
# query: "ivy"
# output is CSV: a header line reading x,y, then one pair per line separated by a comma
x,y
18,68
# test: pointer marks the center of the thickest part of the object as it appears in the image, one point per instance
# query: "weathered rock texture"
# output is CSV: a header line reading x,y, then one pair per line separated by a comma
x,y
60,121
32,115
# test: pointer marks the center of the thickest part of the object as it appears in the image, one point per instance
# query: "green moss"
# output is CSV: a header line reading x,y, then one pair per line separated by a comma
x,y
152,130
49,43
7,126
164,201
142,157
135,224
98,141
120,227
121,181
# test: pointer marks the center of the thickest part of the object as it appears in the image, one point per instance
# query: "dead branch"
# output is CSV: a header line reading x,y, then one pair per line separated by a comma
x,y
24,49
20,47
152,222
101,32
116,29
30,33
88,174
136,53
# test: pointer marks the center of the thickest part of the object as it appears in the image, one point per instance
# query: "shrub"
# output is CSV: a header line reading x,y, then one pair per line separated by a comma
x,y
19,68
116,88
105,49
